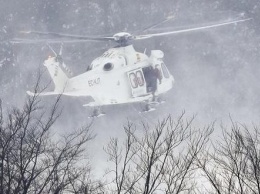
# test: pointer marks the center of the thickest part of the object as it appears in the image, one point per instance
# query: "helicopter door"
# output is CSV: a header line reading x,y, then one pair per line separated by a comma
x,y
137,82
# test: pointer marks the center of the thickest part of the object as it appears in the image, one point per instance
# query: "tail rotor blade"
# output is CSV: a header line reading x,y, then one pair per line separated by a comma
x,y
52,50
61,49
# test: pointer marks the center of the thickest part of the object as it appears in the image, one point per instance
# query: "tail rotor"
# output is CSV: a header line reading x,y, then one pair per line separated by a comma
x,y
59,59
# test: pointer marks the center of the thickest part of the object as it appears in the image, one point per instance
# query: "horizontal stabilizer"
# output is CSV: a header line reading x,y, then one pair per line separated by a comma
x,y
42,93
91,104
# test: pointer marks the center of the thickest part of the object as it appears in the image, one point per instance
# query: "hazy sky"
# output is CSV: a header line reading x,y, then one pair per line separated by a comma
x,y
216,71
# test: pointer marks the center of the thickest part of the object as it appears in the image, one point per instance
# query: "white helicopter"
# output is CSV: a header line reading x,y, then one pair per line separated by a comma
x,y
121,75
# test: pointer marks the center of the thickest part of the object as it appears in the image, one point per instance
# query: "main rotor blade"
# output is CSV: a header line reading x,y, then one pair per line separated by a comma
x,y
170,17
36,41
52,50
138,37
78,37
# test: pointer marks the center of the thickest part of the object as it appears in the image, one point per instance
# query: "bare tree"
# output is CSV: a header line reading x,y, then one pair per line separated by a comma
x,y
31,161
233,165
159,159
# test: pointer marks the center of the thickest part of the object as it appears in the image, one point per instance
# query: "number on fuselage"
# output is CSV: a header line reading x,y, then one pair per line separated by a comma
x,y
137,82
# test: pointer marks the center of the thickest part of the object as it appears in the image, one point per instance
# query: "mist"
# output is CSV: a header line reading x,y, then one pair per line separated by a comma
x,y
216,71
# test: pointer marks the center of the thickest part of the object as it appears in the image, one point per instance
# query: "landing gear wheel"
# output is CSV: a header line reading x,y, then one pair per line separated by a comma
x,y
147,108
97,112
160,100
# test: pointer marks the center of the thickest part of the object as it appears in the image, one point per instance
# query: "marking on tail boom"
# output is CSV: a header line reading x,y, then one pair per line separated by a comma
x,y
94,82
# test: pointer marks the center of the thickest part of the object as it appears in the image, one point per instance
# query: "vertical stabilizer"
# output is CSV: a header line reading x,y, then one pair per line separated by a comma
x,y
57,74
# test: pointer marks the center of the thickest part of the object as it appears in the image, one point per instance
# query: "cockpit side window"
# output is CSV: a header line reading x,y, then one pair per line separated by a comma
x,y
165,71
108,67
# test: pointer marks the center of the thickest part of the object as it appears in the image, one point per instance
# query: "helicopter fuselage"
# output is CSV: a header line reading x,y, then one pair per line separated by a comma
x,y
119,76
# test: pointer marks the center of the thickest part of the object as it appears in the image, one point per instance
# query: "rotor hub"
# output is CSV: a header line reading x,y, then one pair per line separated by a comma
x,y
122,38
